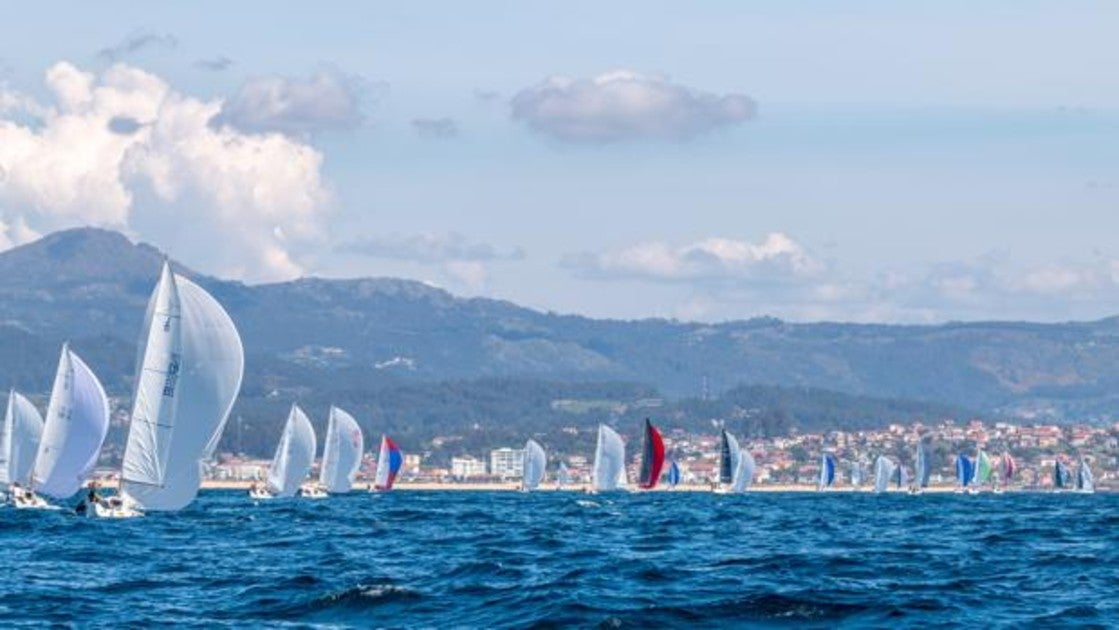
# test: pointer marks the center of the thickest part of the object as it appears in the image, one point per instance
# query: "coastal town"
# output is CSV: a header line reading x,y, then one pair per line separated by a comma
x,y
782,462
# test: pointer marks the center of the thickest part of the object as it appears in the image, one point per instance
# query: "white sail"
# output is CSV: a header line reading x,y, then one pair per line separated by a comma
x,y
189,372
743,471
883,473
735,455
341,452
76,424
1085,482
609,461
19,440
294,455
532,467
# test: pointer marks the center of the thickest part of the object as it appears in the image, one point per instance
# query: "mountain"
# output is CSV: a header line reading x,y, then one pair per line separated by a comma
x,y
323,338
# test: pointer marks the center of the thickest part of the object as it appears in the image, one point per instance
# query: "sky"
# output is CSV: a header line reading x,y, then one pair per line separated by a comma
x,y
868,161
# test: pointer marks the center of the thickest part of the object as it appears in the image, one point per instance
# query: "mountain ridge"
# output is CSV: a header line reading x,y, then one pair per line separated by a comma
x,y
91,285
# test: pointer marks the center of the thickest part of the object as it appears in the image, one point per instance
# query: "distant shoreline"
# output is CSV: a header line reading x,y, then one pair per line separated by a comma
x,y
577,488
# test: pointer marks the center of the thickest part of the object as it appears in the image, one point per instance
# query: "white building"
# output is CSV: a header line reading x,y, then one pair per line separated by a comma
x,y
467,468
506,462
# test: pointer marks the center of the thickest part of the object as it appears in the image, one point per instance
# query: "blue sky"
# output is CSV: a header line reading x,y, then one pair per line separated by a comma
x,y
865,161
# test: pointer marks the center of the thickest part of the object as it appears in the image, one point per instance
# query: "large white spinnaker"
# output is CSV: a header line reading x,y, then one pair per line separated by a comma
x,y
609,461
883,473
743,471
75,428
19,440
532,468
342,451
294,455
189,370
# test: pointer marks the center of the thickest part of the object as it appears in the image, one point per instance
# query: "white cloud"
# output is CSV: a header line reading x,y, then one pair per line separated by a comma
x,y
624,105
239,203
776,258
327,100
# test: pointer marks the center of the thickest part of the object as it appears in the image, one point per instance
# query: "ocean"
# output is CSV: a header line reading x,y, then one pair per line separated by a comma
x,y
504,559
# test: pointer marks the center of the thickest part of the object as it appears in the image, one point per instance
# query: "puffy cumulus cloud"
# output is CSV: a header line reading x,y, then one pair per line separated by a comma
x,y
460,259
777,258
435,127
136,42
126,151
624,105
327,100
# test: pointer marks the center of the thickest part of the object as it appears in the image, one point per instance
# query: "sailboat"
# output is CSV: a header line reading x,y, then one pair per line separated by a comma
x,y
857,474
563,477
342,451
923,468
965,472
652,457
609,471
75,428
1007,472
19,441
1084,480
827,471
532,466
883,473
1062,476
672,478
982,471
389,461
188,375
293,459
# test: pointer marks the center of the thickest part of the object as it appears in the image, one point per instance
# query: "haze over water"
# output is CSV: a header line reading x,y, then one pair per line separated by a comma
x,y
438,559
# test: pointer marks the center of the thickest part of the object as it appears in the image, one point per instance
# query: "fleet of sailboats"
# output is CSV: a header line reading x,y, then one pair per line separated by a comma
x,y
188,374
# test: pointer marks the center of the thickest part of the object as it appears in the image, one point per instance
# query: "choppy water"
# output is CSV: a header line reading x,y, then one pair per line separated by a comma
x,y
443,559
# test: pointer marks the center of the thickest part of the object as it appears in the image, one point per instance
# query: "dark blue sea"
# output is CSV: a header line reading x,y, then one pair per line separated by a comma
x,y
478,559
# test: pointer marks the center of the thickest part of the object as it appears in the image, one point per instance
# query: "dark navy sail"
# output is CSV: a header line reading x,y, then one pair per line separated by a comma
x,y
924,469
965,470
652,457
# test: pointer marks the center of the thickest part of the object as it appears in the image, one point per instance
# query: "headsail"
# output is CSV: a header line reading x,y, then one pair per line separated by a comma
x,y
965,470
189,371
1084,480
609,461
19,440
76,424
827,471
652,457
342,451
563,477
883,472
532,468
983,468
389,461
294,455
1009,466
743,471
1062,476
673,476
924,464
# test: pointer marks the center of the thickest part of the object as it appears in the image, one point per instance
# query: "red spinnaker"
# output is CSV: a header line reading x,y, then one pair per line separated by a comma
x,y
652,457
